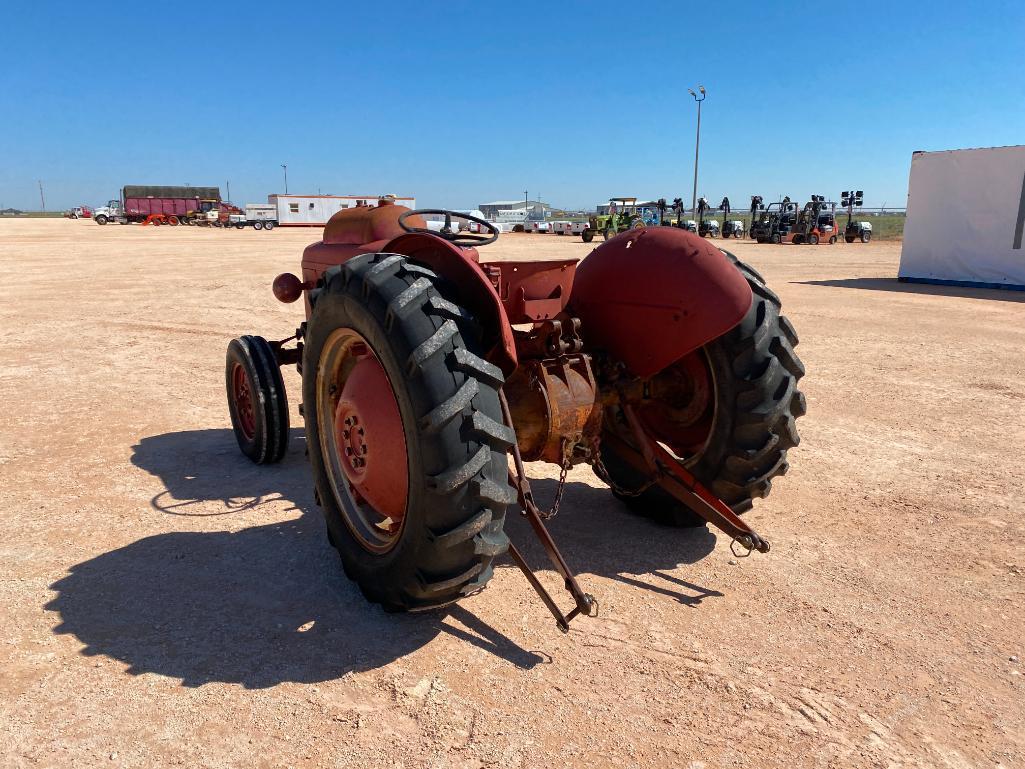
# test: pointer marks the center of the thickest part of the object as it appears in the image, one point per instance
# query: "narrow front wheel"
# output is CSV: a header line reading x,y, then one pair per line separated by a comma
x,y
256,399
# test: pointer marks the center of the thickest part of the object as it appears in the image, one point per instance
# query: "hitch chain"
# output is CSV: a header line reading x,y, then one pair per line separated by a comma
x,y
603,473
554,511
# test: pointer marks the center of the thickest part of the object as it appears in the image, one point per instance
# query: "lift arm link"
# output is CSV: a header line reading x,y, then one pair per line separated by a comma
x,y
585,603
681,484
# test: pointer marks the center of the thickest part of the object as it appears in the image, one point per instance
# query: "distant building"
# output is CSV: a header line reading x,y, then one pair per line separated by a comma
x,y
315,210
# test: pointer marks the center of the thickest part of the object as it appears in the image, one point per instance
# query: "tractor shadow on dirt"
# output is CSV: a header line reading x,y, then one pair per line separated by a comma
x,y
268,604
892,284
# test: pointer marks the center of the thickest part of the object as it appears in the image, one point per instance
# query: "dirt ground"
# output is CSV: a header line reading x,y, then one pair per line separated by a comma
x,y
165,602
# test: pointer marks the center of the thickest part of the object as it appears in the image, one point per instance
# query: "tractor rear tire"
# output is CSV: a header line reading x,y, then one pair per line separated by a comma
x,y
456,442
256,399
608,233
756,372
848,238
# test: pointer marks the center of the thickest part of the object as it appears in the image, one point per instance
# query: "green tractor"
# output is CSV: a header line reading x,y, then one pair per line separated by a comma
x,y
622,216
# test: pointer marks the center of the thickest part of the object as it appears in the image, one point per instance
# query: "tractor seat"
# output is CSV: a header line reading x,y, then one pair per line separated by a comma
x,y
368,224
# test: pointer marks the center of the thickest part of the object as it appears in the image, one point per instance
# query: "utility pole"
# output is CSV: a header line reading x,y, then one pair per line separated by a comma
x,y
42,200
697,146
228,185
285,169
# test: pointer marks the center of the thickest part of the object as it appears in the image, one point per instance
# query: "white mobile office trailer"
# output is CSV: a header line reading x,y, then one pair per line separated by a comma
x,y
315,210
966,213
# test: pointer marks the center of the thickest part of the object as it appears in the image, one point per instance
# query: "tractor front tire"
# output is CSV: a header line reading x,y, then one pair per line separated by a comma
x,y
443,532
587,235
866,236
256,399
755,372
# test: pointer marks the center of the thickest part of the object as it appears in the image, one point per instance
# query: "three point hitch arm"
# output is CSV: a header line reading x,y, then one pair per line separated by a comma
x,y
651,458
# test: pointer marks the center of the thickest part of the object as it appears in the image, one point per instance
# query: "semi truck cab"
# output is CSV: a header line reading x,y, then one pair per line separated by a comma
x,y
112,212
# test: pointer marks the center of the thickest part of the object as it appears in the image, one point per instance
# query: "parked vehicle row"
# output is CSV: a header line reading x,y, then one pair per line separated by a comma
x,y
172,206
787,222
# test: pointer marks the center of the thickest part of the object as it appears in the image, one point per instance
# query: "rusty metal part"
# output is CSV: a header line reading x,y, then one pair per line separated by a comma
x,y
285,356
549,338
603,473
675,479
585,602
555,407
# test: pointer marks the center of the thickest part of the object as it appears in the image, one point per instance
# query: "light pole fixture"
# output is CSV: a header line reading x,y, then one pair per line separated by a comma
x,y
284,168
697,146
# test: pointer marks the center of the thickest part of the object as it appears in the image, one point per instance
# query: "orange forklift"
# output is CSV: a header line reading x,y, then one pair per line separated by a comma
x,y
816,224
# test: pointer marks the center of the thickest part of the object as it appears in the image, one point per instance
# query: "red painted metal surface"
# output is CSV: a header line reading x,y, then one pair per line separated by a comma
x,y
287,288
679,407
242,394
650,296
532,291
366,224
369,434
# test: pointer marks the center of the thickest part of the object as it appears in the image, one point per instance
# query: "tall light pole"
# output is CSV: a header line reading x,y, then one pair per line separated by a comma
x,y
42,200
697,146
284,167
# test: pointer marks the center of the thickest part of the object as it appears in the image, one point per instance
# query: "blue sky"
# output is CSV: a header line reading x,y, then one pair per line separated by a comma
x,y
464,102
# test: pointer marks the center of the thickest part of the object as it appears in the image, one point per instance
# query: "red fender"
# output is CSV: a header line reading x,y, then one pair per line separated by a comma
x,y
650,296
460,267
368,229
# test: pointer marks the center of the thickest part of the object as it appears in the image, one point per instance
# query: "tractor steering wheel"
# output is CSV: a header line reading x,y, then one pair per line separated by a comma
x,y
446,232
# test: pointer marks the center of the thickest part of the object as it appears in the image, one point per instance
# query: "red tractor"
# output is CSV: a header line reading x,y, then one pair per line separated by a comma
x,y
660,360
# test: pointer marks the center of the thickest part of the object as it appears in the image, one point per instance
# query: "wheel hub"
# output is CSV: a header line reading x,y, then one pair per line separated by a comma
x,y
369,445
243,400
681,409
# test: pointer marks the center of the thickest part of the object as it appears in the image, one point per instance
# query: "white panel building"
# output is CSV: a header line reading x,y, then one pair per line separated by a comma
x,y
966,213
315,210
